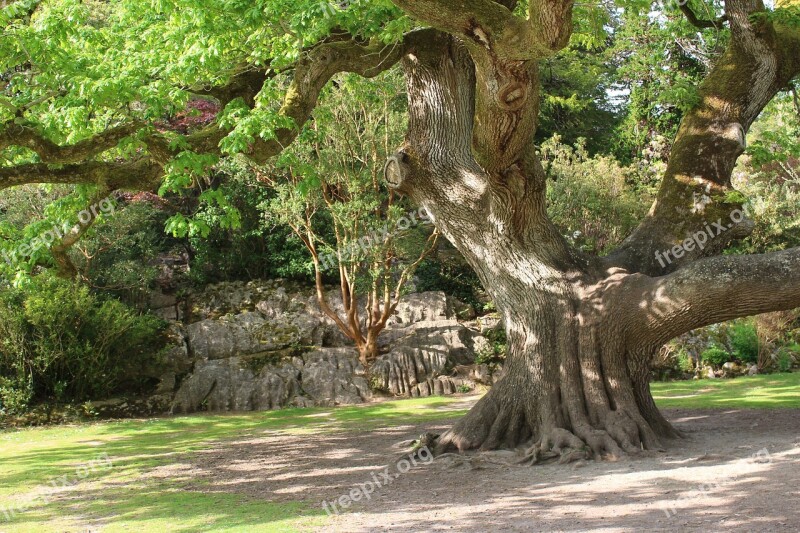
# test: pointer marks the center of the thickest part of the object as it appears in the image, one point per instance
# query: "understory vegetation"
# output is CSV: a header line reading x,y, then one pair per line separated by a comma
x,y
60,343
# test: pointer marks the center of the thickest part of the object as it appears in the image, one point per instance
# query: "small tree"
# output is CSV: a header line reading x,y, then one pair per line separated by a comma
x,y
330,191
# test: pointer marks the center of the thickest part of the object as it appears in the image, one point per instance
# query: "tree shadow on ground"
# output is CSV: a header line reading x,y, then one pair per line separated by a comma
x,y
714,479
736,470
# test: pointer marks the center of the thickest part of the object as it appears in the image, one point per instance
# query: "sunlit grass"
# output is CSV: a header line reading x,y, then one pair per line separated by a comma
x,y
750,392
123,498
120,498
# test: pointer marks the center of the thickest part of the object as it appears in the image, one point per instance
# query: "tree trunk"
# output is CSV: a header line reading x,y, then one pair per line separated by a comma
x,y
368,348
581,330
576,380
574,383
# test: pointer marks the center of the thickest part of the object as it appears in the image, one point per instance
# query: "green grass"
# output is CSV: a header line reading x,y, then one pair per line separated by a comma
x,y
120,498
123,498
751,392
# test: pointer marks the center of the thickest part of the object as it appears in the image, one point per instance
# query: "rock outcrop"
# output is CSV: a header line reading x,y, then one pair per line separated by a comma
x,y
267,345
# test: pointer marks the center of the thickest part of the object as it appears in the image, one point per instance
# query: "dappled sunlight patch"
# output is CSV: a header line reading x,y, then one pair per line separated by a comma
x,y
252,472
749,392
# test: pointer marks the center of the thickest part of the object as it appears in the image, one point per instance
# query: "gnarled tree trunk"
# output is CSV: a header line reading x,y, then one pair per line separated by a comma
x,y
581,330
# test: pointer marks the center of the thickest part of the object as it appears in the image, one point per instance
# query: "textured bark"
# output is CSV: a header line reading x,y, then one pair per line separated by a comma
x,y
581,330
760,61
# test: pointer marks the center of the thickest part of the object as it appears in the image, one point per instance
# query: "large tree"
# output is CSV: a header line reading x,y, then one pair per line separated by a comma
x,y
85,88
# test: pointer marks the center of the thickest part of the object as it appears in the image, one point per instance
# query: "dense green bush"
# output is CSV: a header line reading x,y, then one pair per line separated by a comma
x,y
593,200
119,257
59,342
784,360
744,341
257,249
715,356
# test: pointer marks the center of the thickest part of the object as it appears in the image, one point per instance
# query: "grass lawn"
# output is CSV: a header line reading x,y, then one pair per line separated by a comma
x,y
117,497
102,464
753,392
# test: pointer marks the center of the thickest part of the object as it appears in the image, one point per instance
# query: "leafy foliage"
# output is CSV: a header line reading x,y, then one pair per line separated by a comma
x,y
716,356
258,248
329,186
661,59
744,341
59,341
769,176
590,198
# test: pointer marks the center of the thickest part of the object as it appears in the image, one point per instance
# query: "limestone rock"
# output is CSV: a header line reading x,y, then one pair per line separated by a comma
x,y
267,345
250,333
239,384
421,307
333,376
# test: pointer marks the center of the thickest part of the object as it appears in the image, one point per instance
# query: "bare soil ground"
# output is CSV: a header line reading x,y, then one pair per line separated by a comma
x,y
737,470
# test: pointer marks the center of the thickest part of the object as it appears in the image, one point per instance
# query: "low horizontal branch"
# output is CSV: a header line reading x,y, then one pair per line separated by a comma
x,y
76,164
50,152
142,174
713,290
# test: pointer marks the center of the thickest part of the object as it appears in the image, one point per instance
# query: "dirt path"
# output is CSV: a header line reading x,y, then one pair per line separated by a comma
x,y
737,471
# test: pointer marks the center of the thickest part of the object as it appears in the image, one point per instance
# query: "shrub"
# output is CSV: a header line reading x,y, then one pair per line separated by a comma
x,y
784,362
258,249
121,254
744,341
591,198
14,396
786,356
685,362
715,356
59,342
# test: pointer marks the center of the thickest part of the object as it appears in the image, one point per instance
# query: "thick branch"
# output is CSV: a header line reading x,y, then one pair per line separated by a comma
x,y
717,289
50,152
72,164
492,27
142,174
484,24
315,70
552,22
759,62
436,160
245,85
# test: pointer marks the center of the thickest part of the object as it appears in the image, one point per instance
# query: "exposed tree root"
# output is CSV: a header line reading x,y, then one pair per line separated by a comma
x,y
501,420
